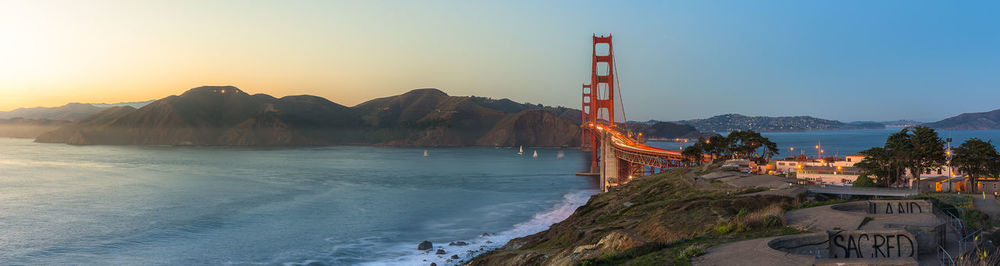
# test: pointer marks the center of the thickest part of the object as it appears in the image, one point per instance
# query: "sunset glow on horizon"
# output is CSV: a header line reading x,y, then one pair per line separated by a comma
x,y
112,51
678,60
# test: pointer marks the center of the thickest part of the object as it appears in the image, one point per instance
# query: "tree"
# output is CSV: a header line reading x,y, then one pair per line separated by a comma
x,y
879,162
746,144
915,150
977,158
863,181
926,150
715,145
693,154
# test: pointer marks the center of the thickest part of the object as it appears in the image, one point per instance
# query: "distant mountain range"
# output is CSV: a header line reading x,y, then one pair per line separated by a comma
x,y
732,122
664,130
970,121
68,112
225,115
132,104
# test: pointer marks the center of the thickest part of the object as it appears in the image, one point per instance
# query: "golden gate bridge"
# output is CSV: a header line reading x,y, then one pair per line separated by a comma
x,y
617,154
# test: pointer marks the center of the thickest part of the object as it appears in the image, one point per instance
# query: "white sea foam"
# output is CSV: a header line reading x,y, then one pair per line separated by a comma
x,y
539,222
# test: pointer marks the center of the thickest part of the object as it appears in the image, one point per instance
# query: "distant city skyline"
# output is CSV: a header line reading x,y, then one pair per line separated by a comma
x,y
842,60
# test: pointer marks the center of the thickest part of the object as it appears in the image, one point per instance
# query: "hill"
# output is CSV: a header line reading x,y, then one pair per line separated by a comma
x,y
970,121
225,115
662,219
664,130
68,112
732,122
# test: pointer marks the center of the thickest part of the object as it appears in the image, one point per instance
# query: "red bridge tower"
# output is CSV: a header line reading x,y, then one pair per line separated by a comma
x,y
599,97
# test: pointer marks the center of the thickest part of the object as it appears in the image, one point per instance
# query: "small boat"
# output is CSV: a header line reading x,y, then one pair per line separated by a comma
x,y
521,151
560,155
535,155
425,153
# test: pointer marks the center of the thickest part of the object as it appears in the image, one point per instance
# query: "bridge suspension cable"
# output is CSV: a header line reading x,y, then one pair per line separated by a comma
x,y
615,155
621,100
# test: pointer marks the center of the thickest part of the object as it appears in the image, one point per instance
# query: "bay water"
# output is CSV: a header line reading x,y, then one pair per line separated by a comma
x,y
151,205
63,204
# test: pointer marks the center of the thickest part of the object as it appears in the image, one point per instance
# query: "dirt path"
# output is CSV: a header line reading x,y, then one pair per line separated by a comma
x,y
988,205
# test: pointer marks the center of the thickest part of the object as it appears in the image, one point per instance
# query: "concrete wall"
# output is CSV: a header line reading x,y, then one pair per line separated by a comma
x,y
854,206
860,244
899,207
886,207
873,244
815,244
928,237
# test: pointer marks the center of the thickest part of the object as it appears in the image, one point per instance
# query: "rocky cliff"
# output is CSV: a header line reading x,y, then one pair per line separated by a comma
x,y
531,126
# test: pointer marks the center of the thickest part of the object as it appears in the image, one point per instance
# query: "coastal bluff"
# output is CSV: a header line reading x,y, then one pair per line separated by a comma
x,y
652,220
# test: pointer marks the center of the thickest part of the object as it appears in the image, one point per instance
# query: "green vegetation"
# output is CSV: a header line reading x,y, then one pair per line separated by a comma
x,y
653,220
961,206
681,252
918,151
922,149
864,181
980,257
746,144
977,158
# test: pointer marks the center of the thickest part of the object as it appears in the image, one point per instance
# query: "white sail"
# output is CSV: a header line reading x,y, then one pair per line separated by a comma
x,y
425,153
560,155
521,151
535,155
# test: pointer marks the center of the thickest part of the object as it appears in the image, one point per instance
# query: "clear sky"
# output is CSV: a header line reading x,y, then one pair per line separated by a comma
x,y
845,60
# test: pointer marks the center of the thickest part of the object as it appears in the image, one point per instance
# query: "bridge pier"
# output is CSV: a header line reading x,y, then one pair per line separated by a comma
x,y
608,165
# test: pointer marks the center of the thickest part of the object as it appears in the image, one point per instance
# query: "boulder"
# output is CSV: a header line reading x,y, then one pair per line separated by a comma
x,y
459,243
425,245
454,257
440,251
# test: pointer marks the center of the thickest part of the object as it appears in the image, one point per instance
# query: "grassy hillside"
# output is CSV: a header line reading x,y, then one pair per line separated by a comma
x,y
655,220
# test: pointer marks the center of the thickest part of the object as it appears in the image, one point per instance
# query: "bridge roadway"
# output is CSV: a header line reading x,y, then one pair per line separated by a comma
x,y
622,159
630,155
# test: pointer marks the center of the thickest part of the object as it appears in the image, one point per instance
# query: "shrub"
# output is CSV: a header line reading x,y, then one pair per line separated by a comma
x,y
980,257
864,181
692,251
773,215
772,220
724,228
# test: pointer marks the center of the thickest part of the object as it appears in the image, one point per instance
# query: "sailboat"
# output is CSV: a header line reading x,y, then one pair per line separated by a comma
x,y
535,155
425,153
521,151
560,155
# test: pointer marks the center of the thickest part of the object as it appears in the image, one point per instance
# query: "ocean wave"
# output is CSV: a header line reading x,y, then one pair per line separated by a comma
x,y
539,222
